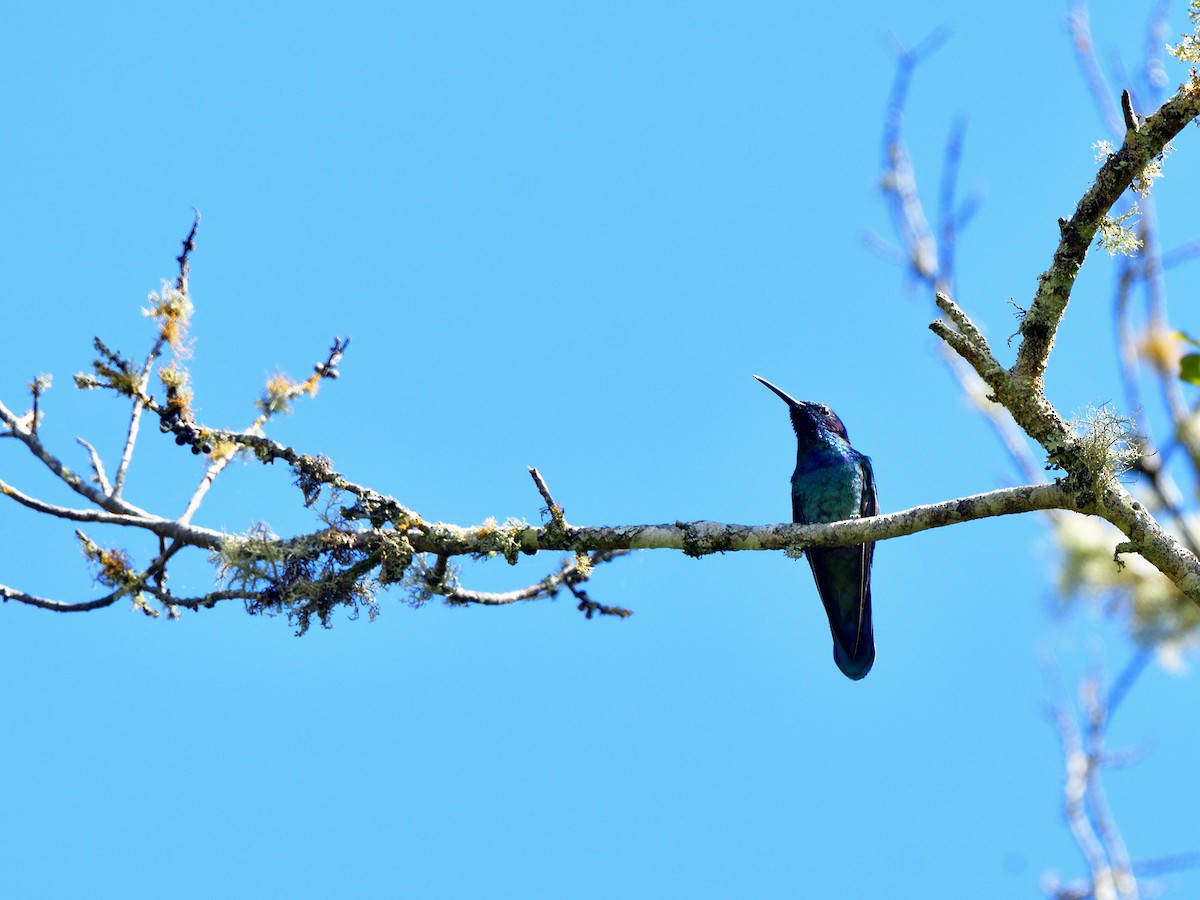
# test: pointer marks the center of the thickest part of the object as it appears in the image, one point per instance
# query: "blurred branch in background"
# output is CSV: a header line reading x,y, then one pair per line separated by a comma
x,y
1083,732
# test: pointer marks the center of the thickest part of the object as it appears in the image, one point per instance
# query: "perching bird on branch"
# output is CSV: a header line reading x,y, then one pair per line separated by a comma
x,y
833,482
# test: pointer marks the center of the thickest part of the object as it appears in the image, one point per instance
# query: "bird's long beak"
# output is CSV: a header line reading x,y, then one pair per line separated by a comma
x,y
790,401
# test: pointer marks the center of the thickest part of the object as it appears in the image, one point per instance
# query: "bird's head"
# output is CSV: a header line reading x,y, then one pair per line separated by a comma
x,y
809,418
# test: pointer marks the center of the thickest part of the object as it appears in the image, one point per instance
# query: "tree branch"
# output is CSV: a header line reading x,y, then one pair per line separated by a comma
x,y
1040,324
703,537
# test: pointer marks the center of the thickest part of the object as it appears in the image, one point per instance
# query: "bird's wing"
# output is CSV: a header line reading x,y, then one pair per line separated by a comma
x,y
868,506
869,503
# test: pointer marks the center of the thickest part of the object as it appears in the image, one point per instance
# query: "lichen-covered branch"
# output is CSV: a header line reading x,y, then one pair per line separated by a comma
x,y
1040,323
1091,480
1020,389
703,538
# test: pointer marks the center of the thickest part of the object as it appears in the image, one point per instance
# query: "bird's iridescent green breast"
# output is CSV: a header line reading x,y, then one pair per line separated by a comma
x,y
827,485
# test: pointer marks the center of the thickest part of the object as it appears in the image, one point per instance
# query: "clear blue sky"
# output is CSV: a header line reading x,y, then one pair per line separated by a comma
x,y
562,235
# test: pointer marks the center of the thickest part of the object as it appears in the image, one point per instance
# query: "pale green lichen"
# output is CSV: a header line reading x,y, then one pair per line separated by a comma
x,y
503,540
1107,440
277,395
1115,236
1144,180
1103,151
1150,173
243,560
1188,48
423,580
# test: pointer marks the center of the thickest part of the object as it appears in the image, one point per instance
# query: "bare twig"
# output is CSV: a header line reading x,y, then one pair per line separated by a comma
x,y
899,184
97,466
1085,53
557,516
189,245
37,387
8,593
570,576
1131,118
192,535
949,217
135,418
68,477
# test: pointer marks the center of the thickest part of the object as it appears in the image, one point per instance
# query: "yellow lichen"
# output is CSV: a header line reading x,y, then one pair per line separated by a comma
x,y
173,311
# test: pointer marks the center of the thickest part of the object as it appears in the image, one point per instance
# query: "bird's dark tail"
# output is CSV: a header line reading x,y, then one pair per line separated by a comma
x,y
843,576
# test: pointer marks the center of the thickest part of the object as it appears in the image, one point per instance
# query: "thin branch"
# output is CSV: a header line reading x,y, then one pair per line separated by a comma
x,y
64,512
141,585
1041,322
1184,253
587,605
1098,714
557,516
189,246
904,202
55,465
7,593
1154,74
192,535
1085,807
1085,53
1127,355
205,601
37,387
570,577
135,419
968,342
948,218
1163,865
97,466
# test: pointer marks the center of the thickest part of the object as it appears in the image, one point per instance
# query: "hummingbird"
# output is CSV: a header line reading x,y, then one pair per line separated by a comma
x,y
832,482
